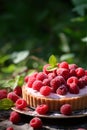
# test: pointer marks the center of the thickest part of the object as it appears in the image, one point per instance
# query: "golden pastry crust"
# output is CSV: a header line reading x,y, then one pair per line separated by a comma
x,y
33,101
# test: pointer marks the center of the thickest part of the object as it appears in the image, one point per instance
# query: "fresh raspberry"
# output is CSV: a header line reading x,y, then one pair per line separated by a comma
x,y
51,75
14,97
66,109
3,93
86,72
45,69
36,122
61,79
82,81
55,83
64,64
73,66
63,72
46,82
45,90
10,128
41,76
20,103
72,72
37,85
14,117
73,88
62,90
80,72
30,81
42,109
26,78
72,79
18,91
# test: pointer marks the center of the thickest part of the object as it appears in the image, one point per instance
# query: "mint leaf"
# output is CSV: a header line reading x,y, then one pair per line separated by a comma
x,y
6,104
52,60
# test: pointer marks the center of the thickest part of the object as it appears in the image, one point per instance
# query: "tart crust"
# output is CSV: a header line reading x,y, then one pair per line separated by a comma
x,y
79,102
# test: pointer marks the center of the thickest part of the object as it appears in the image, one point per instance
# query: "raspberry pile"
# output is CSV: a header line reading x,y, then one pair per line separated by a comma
x,y
64,78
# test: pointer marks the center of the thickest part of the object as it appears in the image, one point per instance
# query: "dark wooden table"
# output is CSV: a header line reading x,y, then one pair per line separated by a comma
x,y
48,124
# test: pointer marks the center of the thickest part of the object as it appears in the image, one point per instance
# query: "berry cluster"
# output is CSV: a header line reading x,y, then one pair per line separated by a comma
x,y
65,78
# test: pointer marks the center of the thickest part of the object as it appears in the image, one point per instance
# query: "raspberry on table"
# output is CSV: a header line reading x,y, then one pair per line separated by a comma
x,y
41,76
14,117
18,90
36,122
13,96
3,93
64,64
37,84
10,128
66,109
45,90
62,90
42,109
21,104
80,72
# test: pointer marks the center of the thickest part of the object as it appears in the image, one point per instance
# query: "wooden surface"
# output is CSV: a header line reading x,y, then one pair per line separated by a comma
x,y
48,124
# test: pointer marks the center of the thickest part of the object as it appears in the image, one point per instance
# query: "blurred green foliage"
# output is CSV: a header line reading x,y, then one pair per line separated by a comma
x,y
31,31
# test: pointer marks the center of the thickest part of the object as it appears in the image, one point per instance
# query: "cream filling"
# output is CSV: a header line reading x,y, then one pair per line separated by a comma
x,y
82,92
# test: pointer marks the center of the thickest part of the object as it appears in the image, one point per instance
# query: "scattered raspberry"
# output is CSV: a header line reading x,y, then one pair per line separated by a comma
x,y
14,97
55,83
73,66
73,88
64,64
72,79
66,109
63,72
45,90
30,81
20,103
18,91
36,122
15,117
10,128
41,76
62,90
80,72
46,82
37,85
3,93
42,109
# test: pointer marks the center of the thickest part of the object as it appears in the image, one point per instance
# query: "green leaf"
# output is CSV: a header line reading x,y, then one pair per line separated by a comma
x,y
6,104
19,56
52,60
12,83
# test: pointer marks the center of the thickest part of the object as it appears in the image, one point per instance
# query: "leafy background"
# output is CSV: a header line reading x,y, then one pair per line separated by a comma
x,y
31,31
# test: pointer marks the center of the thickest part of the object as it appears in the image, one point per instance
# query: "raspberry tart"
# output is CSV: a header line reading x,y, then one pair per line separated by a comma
x,y
65,84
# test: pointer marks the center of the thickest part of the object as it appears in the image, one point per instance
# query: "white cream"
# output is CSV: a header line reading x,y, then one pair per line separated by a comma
x,y
82,92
